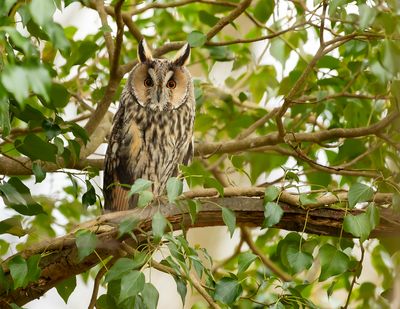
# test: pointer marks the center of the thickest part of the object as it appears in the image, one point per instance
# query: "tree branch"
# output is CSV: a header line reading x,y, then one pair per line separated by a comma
x,y
59,256
107,35
265,260
115,76
242,6
274,138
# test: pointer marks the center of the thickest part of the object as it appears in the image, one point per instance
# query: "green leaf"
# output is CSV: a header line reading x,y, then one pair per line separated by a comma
x,y
85,50
105,28
328,62
391,61
59,95
140,185
196,39
358,225
298,260
12,226
272,214
132,283
227,290
333,262
229,219
5,6
39,80
5,282
359,193
159,223
52,129
210,182
36,148
15,81
39,173
11,195
264,9
278,51
127,225
145,198
33,269
394,88
181,288
367,15
18,197
79,132
18,271
194,207
120,267
207,19
174,189
124,265
106,301
244,261
306,199
57,38
150,296
373,215
4,117
42,11
66,287
89,197
86,243
20,41
271,194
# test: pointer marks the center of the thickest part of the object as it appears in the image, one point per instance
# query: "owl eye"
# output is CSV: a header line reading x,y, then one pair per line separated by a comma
x,y
171,84
148,82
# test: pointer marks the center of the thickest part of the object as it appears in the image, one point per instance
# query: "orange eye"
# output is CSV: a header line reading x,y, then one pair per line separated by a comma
x,y
148,82
171,84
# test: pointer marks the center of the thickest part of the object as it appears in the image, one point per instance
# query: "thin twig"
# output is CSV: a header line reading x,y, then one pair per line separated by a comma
x,y
118,39
106,33
242,6
230,258
322,27
359,266
161,5
265,37
266,261
191,278
97,281
168,270
115,76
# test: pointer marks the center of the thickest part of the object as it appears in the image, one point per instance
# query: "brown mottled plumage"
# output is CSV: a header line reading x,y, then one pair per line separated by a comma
x,y
152,129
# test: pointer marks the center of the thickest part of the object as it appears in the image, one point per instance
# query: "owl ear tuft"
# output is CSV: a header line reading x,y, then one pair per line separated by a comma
x,y
182,56
144,52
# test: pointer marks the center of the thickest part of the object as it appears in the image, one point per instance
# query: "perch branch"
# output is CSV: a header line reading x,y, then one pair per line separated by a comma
x,y
59,255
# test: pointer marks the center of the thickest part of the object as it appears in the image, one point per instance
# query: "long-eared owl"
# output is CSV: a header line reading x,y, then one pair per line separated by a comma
x,y
152,128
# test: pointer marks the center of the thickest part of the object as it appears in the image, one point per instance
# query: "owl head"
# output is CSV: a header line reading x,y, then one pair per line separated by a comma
x,y
160,84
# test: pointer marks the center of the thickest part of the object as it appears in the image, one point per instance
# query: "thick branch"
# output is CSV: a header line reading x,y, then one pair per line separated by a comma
x,y
274,138
22,166
59,256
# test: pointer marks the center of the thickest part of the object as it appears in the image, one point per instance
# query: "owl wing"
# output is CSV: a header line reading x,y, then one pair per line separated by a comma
x,y
120,152
187,158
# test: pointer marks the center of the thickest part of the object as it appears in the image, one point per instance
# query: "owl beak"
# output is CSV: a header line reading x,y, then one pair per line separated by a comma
x,y
158,95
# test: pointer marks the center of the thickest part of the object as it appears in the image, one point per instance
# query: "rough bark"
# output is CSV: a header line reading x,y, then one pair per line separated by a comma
x,y
59,256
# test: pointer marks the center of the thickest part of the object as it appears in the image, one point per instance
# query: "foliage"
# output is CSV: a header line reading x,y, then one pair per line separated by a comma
x,y
310,107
